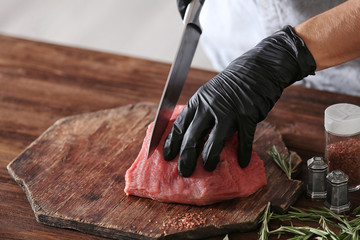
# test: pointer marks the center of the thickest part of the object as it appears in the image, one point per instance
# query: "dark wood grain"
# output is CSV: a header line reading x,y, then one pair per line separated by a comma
x,y
73,176
41,83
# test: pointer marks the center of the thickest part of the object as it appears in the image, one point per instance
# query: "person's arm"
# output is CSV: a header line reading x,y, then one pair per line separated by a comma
x,y
242,94
333,37
235,100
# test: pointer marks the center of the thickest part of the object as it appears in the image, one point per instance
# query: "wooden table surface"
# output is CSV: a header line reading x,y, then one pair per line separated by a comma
x,y
40,83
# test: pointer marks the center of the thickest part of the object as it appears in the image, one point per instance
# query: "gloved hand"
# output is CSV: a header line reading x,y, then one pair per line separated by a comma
x,y
236,100
182,5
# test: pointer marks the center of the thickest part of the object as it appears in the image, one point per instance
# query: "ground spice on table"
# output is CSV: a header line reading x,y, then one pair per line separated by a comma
x,y
187,221
345,155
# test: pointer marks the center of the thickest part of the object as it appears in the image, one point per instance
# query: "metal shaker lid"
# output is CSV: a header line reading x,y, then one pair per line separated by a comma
x,y
337,177
316,163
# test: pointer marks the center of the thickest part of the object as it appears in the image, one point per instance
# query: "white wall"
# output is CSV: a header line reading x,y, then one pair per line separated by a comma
x,y
143,28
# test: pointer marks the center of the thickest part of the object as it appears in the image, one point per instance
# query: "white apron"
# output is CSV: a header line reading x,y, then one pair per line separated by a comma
x,y
231,27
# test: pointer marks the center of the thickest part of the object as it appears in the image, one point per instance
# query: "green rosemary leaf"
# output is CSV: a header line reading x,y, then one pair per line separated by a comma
x,y
355,236
289,229
343,236
355,224
316,231
333,215
347,223
280,160
343,228
356,211
307,236
325,226
264,229
300,231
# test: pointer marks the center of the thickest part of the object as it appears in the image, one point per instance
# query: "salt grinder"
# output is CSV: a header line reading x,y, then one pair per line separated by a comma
x,y
317,170
337,192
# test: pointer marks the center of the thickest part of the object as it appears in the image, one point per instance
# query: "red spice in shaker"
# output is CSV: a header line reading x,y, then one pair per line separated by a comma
x,y
342,152
345,155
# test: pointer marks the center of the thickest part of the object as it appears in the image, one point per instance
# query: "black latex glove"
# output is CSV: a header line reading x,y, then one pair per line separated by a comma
x,y
236,100
182,5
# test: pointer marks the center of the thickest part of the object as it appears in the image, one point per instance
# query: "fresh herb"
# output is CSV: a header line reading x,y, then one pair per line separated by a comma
x,y
300,232
356,211
264,229
305,215
281,161
331,226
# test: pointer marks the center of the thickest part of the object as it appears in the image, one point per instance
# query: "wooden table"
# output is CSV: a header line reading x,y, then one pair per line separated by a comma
x,y
40,83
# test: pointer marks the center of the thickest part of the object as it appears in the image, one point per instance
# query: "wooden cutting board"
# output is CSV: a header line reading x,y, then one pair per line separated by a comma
x,y
73,177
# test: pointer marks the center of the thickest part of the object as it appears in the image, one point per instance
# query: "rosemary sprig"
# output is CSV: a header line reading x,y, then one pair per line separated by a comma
x,y
264,229
300,232
280,160
308,215
331,226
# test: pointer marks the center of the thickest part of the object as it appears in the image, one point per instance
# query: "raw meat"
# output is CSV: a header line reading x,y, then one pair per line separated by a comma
x,y
158,179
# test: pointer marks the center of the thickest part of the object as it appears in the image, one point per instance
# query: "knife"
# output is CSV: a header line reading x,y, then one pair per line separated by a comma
x,y
178,72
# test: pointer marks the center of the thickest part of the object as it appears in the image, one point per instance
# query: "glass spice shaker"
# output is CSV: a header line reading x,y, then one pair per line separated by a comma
x,y
342,141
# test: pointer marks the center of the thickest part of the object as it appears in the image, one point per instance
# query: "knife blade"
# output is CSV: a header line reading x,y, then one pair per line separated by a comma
x,y
178,72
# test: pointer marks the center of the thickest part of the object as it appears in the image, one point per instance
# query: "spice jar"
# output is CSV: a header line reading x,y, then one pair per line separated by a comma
x,y
317,171
342,140
337,192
